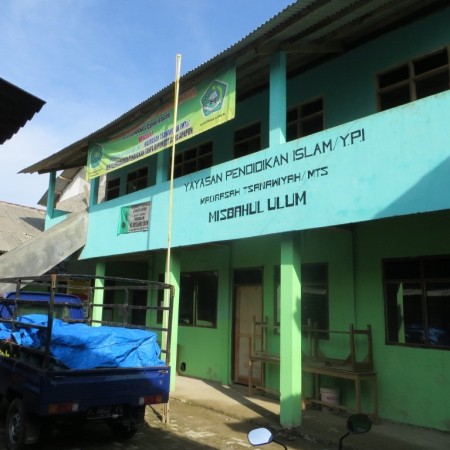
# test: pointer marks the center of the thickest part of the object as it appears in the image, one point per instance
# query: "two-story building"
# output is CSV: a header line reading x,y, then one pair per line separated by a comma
x,y
311,180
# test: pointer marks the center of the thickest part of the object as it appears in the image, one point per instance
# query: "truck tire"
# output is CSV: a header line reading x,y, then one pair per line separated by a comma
x,y
124,430
127,428
16,425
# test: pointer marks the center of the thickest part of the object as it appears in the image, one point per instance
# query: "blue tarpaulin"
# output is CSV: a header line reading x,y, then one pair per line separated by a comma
x,y
80,346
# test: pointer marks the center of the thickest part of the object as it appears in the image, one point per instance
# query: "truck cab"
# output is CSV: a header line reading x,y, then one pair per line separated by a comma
x,y
65,306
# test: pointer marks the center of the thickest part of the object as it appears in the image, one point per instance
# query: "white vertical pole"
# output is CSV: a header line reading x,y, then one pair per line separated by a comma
x,y
166,324
169,226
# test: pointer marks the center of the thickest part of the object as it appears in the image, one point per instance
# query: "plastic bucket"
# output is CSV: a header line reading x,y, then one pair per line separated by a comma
x,y
329,396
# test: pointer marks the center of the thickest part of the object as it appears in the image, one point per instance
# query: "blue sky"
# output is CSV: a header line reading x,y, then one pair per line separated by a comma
x,y
93,60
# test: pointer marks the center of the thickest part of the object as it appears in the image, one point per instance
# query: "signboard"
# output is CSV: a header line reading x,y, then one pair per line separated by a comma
x,y
203,107
134,218
389,164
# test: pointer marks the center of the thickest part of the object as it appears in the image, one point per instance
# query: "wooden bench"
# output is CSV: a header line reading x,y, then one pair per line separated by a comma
x,y
350,367
258,352
315,362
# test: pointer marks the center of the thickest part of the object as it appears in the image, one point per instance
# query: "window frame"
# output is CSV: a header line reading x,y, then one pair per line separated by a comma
x,y
193,159
140,181
301,116
112,189
420,282
196,278
305,284
247,140
413,78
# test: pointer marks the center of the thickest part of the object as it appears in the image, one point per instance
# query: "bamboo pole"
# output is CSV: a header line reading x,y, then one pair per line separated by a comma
x,y
169,225
172,165
166,324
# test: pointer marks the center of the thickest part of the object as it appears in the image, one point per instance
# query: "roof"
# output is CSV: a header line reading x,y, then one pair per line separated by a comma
x,y
309,31
62,182
19,224
16,108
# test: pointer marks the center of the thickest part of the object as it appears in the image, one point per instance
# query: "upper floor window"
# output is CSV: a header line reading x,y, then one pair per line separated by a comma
x,y
304,119
414,80
112,188
417,299
247,140
193,160
137,180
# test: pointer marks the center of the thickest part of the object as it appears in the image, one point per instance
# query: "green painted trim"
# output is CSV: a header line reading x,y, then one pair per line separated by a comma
x,y
290,339
51,197
277,103
93,194
175,269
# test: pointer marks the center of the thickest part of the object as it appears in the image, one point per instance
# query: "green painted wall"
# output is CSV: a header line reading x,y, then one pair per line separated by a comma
x,y
333,246
206,351
348,83
413,382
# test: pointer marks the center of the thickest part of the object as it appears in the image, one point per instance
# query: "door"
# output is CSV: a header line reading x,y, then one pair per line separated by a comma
x,y
248,306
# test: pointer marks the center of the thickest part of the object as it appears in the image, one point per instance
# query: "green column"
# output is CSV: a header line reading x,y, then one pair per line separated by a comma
x,y
51,196
174,280
93,191
100,269
277,108
162,167
290,332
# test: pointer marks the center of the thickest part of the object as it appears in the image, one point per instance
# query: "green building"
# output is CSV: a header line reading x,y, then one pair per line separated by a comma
x,y
310,192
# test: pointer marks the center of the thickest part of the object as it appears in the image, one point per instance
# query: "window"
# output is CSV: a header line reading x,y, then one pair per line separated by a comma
x,y
247,140
198,299
417,299
137,180
139,315
112,188
304,119
416,79
314,294
193,160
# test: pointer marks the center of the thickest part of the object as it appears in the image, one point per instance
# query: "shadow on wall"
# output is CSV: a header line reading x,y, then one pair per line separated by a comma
x,y
429,194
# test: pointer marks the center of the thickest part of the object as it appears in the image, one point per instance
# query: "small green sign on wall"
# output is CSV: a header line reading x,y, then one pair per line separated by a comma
x,y
134,218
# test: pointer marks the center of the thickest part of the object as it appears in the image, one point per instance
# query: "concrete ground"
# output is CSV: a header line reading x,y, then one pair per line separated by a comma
x,y
320,427
209,416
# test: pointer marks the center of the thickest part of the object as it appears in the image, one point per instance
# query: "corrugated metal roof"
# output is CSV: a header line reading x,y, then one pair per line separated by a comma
x,y
72,202
18,224
16,108
309,31
61,183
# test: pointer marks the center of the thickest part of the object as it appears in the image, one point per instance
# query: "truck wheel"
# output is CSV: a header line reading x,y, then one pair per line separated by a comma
x,y
126,429
16,424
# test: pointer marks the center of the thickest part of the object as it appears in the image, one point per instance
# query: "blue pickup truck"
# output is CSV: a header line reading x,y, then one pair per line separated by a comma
x,y
64,359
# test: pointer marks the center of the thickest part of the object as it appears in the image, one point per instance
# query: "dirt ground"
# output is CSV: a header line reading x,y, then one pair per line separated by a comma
x,y
190,427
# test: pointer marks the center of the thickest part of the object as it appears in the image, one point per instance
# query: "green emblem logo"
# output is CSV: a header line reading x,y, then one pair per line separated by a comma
x,y
96,155
212,99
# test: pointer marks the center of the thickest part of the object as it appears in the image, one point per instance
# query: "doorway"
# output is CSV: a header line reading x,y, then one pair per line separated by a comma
x,y
248,305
